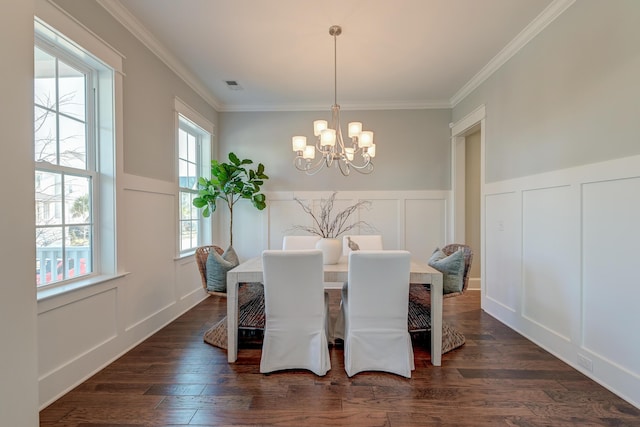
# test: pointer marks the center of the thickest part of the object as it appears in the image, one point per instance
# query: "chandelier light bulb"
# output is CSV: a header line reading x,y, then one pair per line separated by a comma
x,y
366,139
328,137
371,151
299,142
309,152
355,128
319,126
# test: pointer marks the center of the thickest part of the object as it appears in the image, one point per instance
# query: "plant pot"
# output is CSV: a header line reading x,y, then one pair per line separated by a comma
x,y
331,250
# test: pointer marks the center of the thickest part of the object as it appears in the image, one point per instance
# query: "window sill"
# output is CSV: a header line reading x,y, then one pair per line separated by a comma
x,y
72,290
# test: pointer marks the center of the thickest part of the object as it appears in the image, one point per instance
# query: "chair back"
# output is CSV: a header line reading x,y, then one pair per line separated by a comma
x,y
293,284
468,258
202,253
364,242
296,312
299,242
378,287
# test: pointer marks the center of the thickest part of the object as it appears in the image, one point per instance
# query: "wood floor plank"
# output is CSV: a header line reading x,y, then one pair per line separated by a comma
x,y
498,378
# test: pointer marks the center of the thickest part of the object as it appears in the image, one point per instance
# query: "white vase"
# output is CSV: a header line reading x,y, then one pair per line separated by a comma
x,y
331,250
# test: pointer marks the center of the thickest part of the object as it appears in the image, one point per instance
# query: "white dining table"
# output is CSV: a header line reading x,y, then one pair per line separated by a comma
x,y
334,276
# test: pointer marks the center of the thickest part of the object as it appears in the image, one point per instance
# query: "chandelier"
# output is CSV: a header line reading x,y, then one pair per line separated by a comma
x,y
329,143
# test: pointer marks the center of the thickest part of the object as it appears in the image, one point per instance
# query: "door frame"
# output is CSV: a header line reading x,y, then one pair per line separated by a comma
x,y
469,124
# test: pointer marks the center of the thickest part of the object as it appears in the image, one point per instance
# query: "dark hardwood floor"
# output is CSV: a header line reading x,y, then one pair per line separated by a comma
x,y
497,378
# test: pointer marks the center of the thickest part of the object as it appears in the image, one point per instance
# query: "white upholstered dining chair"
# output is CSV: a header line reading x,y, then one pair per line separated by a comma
x,y
375,308
299,242
296,312
350,243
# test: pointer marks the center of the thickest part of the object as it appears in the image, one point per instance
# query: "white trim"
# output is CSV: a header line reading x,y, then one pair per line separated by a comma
x,y
461,127
458,189
203,128
458,130
148,185
52,16
192,115
131,23
436,104
546,17
475,284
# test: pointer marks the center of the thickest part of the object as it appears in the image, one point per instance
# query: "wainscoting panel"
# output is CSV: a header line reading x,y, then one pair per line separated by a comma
x,y
57,350
150,255
502,240
188,282
415,220
565,244
384,217
611,233
425,226
551,258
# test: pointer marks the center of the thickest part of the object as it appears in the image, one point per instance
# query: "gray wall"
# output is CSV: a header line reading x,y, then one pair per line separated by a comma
x,y
18,364
149,91
412,148
569,98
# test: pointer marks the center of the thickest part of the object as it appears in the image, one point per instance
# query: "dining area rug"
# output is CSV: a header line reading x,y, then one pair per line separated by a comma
x,y
251,319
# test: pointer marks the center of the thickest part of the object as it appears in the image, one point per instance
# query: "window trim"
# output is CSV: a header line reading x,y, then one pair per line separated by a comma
x,y
90,170
56,27
183,111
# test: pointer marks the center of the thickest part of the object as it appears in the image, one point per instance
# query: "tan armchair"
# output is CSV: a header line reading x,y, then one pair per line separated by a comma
x,y
202,253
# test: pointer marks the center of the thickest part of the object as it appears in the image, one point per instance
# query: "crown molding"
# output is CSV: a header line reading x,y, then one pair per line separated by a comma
x,y
131,23
546,17
423,105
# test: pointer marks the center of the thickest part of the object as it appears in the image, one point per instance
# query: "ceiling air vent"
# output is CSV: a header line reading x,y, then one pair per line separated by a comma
x,y
233,85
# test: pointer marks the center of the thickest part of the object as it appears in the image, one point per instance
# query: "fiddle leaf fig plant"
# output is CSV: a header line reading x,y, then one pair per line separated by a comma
x,y
229,183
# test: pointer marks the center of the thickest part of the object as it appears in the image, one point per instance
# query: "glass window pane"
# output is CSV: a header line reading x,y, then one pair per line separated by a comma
x,y
185,205
45,145
71,91
182,144
48,254
48,198
78,251
77,199
192,149
44,85
183,169
192,174
73,147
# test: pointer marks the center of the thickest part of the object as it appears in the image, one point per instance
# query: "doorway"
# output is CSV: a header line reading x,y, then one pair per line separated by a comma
x,y
467,171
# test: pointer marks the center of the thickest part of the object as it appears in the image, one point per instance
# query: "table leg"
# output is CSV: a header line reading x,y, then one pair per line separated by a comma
x,y
232,317
436,319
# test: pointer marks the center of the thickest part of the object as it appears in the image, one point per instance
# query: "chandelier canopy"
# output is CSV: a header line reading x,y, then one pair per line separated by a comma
x,y
329,143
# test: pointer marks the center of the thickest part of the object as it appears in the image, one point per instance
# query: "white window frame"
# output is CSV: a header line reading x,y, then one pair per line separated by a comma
x,y
190,120
56,28
89,172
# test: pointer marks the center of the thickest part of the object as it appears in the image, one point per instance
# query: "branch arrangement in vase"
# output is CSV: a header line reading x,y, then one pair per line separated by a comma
x,y
328,225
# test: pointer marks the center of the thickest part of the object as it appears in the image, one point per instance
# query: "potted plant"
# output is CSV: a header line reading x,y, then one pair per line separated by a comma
x,y
329,226
231,182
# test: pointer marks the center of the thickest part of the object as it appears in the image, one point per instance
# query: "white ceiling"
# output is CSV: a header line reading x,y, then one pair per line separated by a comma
x,y
391,54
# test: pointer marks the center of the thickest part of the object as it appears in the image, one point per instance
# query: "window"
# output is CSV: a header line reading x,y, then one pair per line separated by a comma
x,y
194,147
65,167
74,150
